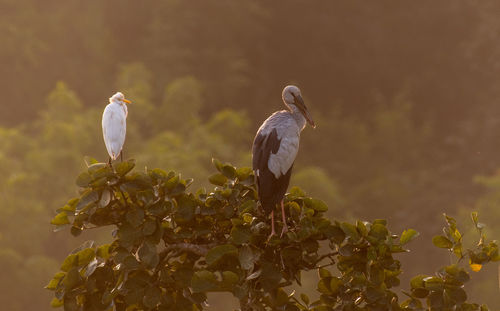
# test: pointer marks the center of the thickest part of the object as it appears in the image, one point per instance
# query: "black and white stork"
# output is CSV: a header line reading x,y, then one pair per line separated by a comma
x,y
274,150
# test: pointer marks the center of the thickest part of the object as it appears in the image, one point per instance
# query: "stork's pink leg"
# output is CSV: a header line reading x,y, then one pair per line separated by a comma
x,y
285,227
273,232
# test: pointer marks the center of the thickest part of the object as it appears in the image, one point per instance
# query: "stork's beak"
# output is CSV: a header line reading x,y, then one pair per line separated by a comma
x,y
309,119
299,102
127,101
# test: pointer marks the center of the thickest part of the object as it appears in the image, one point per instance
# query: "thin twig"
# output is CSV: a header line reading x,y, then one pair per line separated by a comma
x,y
329,255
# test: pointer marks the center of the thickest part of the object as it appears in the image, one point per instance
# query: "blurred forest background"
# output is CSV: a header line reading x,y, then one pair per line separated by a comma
x,y
406,96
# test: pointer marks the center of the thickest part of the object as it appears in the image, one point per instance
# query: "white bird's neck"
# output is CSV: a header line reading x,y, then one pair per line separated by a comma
x,y
298,116
121,105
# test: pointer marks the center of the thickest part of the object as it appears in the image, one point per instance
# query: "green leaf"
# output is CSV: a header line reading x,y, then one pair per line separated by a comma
x,y
335,284
56,303
148,254
281,298
172,182
95,167
246,258
185,209
247,207
229,278
60,219
70,262
324,286
240,235
350,231
217,179
323,273
336,234
433,283
101,171
457,294
149,227
270,277
55,281
305,299
418,281
84,179
89,160
215,254
72,279
296,192
105,198
217,164
229,171
378,231
442,242
123,168
152,297
420,292
475,220
361,226
243,172
76,231
130,263
87,198
91,267
382,222
103,251
85,256
407,236
135,217
315,204
158,173
203,281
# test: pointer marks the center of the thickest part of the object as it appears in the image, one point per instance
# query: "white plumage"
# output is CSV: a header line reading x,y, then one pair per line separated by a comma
x,y
114,124
288,129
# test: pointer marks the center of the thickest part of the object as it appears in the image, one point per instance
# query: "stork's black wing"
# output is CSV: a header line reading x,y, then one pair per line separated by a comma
x,y
263,145
271,189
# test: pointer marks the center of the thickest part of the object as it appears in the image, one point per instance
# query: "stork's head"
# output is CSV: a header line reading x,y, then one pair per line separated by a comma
x,y
119,99
293,99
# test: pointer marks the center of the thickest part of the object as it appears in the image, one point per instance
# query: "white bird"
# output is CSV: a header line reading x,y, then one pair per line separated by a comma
x,y
114,125
274,150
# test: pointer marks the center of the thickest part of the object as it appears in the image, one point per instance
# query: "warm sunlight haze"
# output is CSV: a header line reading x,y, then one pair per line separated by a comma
x,y
249,155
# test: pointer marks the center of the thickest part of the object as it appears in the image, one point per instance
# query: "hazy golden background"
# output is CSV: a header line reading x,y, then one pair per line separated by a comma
x,y
406,96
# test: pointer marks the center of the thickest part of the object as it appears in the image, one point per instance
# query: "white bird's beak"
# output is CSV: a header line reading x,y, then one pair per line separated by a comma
x,y
127,101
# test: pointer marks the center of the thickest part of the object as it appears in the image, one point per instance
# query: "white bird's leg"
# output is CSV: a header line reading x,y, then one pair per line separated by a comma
x,y
121,155
109,162
285,227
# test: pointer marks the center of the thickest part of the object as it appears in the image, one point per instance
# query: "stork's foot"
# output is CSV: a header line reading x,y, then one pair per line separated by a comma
x,y
270,236
273,232
284,230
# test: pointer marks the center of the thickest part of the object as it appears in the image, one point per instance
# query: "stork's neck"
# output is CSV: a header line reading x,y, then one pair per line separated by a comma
x,y
298,116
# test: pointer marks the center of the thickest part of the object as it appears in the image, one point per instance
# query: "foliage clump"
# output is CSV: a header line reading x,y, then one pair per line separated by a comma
x,y
171,247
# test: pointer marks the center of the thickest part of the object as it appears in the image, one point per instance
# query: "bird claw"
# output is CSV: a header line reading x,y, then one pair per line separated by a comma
x,y
284,230
270,236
